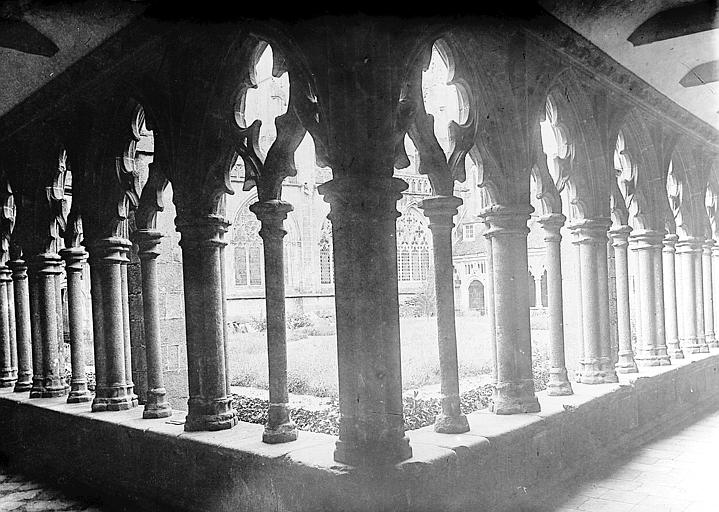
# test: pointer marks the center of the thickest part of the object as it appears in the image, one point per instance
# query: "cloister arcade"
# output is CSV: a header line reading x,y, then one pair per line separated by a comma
x,y
625,183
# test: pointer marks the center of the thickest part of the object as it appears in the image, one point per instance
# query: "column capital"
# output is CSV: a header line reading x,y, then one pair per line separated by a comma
x,y
689,245
646,239
75,258
552,224
202,231
113,249
363,199
272,215
670,242
147,241
620,236
506,220
46,263
590,231
19,269
5,274
441,209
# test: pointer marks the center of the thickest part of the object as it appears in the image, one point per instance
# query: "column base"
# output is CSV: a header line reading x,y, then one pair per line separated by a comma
x,y
610,374
674,350
54,392
558,384
691,346
36,388
514,398
78,396
23,385
283,433
210,415
157,405
444,424
711,340
154,411
7,382
375,455
651,358
112,398
626,363
594,372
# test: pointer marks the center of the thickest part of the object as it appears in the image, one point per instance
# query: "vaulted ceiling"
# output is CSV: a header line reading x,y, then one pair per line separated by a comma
x,y
673,45
39,40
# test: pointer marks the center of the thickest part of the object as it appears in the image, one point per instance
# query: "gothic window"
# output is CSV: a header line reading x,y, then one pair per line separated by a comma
x,y
248,255
424,262
532,291
326,256
469,231
413,252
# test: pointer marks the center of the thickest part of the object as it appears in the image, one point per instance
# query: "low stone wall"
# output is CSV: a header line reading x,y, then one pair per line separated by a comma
x,y
501,464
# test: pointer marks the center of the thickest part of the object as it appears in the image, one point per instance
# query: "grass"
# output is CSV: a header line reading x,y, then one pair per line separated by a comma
x,y
312,358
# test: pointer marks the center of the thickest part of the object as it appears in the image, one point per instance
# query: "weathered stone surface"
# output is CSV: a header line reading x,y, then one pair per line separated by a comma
x,y
503,461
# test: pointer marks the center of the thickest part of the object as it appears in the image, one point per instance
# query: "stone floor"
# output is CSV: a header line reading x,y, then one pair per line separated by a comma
x,y
677,473
21,494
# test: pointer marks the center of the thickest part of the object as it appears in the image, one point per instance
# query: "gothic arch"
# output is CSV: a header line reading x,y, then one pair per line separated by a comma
x,y
581,175
687,203
643,187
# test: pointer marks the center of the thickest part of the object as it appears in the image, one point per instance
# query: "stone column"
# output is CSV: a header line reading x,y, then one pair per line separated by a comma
x,y
22,325
36,337
363,213
652,347
597,364
98,337
202,242
698,249
607,351
661,337
670,297
558,384
619,237
11,324
60,322
441,211
7,377
126,329
156,405
46,268
708,286
108,256
685,254
715,285
514,388
272,214
75,258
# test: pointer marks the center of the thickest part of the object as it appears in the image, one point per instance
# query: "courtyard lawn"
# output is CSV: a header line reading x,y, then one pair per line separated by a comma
x,y
312,359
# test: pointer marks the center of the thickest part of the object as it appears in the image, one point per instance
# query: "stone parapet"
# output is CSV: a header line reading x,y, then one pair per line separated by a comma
x,y
478,470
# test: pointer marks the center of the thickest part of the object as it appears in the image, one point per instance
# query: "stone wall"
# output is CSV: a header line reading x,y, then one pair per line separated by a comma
x,y
503,463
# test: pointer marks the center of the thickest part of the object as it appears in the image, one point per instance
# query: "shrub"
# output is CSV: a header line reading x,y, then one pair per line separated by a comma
x,y
297,320
258,324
